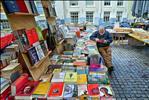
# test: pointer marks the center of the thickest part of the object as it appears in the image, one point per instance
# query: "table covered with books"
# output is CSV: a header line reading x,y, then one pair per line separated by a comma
x,y
79,74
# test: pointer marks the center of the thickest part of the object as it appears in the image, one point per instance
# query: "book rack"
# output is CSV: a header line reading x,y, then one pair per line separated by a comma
x,y
20,20
52,21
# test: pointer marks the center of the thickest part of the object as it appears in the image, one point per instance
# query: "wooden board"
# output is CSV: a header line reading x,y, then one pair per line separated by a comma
x,y
38,69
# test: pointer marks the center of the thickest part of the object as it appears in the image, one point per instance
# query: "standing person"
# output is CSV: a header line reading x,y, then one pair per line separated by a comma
x,y
103,39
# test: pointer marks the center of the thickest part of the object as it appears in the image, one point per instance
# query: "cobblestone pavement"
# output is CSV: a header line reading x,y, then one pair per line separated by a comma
x,y
130,78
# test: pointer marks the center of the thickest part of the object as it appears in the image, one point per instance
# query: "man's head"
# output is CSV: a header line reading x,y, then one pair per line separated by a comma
x,y
101,30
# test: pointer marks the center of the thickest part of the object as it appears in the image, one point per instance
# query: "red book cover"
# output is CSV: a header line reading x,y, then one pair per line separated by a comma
x,y
22,6
35,35
28,88
93,89
79,63
56,89
32,36
16,86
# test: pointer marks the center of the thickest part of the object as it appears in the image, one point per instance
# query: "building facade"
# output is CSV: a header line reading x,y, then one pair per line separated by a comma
x,y
96,12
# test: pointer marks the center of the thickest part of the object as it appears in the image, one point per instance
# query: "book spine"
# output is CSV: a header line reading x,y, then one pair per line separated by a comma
x,y
28,6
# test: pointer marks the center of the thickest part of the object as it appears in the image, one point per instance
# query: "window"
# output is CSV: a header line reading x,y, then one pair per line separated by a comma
x,y
120,3
74,17
89,3
119,15
107,3
106,16
89,16
73,3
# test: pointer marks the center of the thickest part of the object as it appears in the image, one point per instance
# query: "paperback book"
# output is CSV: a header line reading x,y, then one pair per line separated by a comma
x,y
58,77
81,79
105,92
71,77
93,90
82,90
56,90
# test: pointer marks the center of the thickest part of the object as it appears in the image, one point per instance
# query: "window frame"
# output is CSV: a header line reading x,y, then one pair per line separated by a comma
x,y
105,2
118,18
120,1
93,5
73,5
74,17
105,18
90,19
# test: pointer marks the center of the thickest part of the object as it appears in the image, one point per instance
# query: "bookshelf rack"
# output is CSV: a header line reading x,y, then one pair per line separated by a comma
x,y
20,13
18,21
52,21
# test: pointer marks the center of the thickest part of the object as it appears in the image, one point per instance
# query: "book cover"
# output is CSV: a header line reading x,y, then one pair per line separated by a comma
x,y
68,90
10,67
82,90
43,46
33,57
22,39
81,79
105,92
28,6
56,90
58,77
11,6
41,90
71,77
33,7
22,6
78,63
98,78
39,50
39,32
93,90
57,70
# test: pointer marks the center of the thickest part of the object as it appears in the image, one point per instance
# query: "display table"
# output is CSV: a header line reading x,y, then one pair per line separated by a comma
x,y
133,40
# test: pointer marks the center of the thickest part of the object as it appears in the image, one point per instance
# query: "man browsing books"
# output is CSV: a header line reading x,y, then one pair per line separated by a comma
x,y
103,39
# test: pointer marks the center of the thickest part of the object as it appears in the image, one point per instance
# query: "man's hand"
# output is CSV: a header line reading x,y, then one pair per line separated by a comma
x,y
100,41
96,39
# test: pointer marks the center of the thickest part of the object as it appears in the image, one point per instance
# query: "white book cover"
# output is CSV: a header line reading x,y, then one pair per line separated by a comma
x,y
39,50
28,6
82,89
58,77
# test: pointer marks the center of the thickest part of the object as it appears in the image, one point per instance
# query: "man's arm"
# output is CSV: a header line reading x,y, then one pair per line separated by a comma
x,y
93,36
109,37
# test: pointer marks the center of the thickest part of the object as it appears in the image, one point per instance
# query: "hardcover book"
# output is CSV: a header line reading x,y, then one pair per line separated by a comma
x,y
43,46
22,39
105,92
42,90
71,77
33,7
22,6
82,90
11,6
39,50
58,77
81,79
28,6
33,57
56,90
93,90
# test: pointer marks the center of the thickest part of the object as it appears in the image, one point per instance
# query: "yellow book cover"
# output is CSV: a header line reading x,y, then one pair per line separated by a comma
x,y
57,70
71,77
42,88
81,79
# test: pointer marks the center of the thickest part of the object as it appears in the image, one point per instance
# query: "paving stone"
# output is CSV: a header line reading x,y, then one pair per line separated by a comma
x,y
127,79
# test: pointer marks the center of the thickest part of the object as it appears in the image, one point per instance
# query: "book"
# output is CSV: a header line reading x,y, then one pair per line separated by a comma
x,y
28,6
39,32
100,78
32,54
82,70
105,92
68,52
10,67
22,6
32,35
25,92
22,39
81,79
11,6
4,84
70,90
71,77
56,90
58,77
82,90
33,7
93,90
42,90
39,50
57,70
43,46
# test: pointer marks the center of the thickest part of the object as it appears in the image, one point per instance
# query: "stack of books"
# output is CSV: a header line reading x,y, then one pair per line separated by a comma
x,y
10,69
